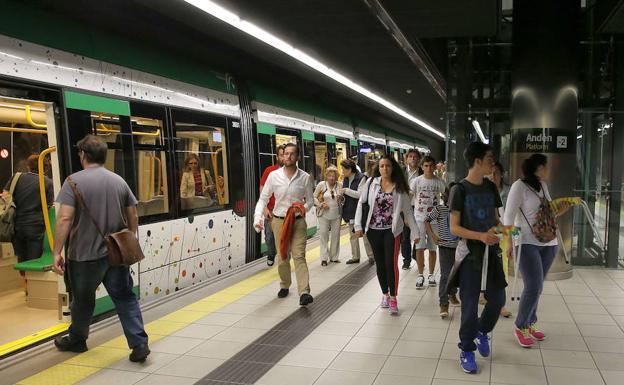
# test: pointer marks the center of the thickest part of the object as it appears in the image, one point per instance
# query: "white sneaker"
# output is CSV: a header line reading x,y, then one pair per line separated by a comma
x,y
420,281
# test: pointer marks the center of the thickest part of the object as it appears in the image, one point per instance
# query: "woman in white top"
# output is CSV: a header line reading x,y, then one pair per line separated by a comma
x,y
387,197
523,205
328,200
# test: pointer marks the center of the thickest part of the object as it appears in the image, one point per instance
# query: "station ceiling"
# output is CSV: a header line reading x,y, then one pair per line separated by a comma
x,y
347,35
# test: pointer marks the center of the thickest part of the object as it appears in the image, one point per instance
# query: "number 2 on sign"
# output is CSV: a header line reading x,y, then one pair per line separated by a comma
x,y
562,142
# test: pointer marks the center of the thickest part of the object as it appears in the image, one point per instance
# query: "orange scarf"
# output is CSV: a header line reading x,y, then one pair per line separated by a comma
x,y
288,227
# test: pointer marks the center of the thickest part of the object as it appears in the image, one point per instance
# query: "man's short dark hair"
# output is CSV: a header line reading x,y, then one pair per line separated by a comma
x,y
279,148
474,151
348,163
428,159
413,151
94,149
291,144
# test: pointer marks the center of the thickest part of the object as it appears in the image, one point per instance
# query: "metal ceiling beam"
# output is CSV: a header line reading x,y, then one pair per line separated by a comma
x,y
417,54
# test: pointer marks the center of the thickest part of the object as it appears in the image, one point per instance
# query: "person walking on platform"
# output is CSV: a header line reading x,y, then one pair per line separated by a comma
x,y
328,200
269,238
527,207
427,189
412,171
29,226
294,196
505,243
352,185
447,243
474,204
111,206
383,203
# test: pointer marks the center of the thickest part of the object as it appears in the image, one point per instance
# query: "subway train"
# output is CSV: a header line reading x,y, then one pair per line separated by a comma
x,y
159,129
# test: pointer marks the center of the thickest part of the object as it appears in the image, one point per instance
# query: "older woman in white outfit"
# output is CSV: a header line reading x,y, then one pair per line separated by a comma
x,y
328,201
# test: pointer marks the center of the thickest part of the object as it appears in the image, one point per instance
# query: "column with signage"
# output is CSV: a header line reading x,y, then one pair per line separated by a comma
x,y
544,103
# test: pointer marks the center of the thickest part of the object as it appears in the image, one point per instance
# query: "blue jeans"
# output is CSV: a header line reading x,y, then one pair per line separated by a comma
x,y
535,262
469,292
269,239
83,279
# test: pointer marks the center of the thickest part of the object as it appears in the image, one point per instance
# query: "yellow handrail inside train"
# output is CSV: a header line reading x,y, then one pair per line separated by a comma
x,y
102,128
44,199
30,120
220,191
24,130
153,158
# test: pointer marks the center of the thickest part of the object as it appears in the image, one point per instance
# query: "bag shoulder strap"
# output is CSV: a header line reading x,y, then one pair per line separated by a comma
x,y
525,218
370,182
14,182
82,204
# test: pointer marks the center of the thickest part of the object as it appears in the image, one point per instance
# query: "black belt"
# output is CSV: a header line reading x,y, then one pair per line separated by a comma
x,y
278,217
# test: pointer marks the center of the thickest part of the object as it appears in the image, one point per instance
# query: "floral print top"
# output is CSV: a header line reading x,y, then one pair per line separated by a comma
x,y
382,212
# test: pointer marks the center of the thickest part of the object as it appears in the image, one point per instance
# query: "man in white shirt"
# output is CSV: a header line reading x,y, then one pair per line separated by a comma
x,y
289,184
427,189
412,171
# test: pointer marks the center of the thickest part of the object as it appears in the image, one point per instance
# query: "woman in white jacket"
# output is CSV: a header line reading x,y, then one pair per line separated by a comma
x,y
387,195
523,206
328,200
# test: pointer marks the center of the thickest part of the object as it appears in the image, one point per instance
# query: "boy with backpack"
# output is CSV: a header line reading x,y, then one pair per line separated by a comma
x,y
447,243
474,204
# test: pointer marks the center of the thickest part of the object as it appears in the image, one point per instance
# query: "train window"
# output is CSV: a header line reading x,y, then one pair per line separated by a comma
x,y
202,160
308,158
320,152
150,161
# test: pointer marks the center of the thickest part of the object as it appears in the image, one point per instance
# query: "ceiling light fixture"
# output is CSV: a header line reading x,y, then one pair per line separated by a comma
x,y
251,29
477,128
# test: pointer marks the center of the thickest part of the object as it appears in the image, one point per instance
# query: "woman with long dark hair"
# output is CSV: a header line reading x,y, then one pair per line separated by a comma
x,y
527,204
386,195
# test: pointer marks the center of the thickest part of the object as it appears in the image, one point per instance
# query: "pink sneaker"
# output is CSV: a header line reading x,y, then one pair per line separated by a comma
x,y
385,302
524,337
536,333
394,309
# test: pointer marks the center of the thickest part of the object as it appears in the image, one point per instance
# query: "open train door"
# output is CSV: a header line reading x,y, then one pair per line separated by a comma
x,y
32,295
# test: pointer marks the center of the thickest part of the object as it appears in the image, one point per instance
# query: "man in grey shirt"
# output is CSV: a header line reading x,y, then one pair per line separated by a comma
x,y
113,206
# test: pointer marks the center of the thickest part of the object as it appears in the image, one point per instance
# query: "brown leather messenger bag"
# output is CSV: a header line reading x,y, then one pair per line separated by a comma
x,y
123,246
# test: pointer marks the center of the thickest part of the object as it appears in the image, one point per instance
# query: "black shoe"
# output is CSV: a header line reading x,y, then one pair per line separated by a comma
x,y
324,263
351,261
282,293
406,266
66,344
305,299
139,353
270,260
336,261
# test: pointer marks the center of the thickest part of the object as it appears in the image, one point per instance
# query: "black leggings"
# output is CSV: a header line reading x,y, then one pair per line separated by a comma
x,y
386,248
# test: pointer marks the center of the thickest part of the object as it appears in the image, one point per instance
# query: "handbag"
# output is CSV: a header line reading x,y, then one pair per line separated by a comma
x,y
8,212
122,247
366,206
321,198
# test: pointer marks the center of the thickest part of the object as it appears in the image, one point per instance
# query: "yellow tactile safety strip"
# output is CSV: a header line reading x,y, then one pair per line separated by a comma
x,y
84,365
31,339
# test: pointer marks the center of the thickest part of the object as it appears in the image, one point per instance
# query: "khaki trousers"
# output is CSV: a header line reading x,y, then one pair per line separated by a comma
x,y
355,245
297,253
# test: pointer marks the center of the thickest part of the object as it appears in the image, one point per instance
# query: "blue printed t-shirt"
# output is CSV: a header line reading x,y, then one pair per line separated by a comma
x,y
478,205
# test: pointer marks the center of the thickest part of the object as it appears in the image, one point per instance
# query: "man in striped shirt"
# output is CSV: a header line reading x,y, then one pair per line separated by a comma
x,y
447,243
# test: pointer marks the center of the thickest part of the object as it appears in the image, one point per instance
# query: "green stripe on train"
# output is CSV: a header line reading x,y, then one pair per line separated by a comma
x,y
80,101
